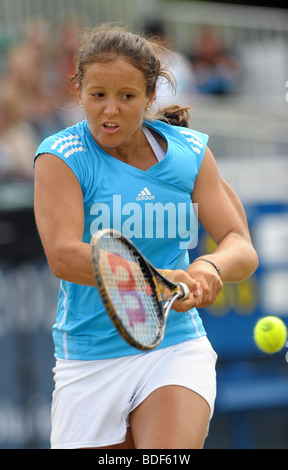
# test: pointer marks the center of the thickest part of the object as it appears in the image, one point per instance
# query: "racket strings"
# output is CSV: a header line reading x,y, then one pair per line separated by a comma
x,y
131,290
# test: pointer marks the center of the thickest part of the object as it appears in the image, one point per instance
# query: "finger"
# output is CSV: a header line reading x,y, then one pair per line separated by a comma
x,y
184,305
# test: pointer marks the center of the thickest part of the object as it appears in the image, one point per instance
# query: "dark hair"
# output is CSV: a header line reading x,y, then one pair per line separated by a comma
x,y
108,41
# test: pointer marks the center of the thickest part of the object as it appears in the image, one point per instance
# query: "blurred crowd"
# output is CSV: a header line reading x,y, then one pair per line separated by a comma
x,y
37,99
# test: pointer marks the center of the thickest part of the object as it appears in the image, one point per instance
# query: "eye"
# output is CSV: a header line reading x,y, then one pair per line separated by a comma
x,y
98,95
128,96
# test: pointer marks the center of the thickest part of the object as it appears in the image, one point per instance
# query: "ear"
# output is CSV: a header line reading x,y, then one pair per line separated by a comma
x,y
78,92
150,101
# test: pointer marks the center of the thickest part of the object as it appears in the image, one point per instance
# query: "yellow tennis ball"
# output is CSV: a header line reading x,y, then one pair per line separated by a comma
x,y
270,334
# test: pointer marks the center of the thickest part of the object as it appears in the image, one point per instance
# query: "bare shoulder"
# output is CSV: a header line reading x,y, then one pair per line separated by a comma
x,y
220,210
209,179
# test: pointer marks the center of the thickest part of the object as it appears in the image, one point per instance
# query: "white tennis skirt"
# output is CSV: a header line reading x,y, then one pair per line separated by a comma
x,y
92,399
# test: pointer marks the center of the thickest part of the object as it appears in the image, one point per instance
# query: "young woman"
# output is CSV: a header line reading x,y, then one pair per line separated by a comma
x,y
93,175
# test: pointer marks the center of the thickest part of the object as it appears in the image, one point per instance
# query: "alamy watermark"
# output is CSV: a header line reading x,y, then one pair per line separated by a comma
x,y
147,219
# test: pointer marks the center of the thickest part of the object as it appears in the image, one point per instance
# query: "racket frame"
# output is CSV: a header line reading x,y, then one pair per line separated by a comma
x,y
154,277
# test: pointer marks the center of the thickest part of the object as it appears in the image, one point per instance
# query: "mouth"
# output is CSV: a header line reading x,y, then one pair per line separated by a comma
x,y
110,127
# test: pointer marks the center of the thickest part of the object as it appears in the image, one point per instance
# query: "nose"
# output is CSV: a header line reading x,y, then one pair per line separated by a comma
x,y
111,108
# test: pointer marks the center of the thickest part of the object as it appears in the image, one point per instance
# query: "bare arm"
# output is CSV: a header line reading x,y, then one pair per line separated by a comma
x,y
222,216
58,204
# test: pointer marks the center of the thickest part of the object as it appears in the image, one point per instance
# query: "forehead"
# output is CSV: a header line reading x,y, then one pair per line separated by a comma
x,y
116,72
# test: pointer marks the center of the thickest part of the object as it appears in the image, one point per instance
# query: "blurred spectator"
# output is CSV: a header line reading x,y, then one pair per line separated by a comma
x,y
26,78
215,70
64,63
28,102
67,46
37,78
18,141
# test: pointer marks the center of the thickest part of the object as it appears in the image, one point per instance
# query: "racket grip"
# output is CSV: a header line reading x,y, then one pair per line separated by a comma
x,y
185,290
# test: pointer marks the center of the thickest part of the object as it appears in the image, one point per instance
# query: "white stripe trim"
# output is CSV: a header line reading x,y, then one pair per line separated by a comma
x,y
195,324
185,132
64,306
63,139
68,144
75,150
192,139
65,345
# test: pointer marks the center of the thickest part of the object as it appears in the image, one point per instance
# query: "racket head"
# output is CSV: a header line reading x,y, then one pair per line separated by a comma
x,y
128,289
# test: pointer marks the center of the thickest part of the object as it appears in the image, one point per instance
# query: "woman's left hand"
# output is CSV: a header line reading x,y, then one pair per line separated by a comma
x,y
208,280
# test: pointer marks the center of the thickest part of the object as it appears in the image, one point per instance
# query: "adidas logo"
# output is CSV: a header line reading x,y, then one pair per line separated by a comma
x,y
144,195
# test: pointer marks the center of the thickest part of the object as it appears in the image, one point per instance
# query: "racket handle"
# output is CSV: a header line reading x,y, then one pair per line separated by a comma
x,y
185,290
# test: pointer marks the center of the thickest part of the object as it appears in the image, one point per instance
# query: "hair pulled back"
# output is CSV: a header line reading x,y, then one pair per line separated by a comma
x,y
108,41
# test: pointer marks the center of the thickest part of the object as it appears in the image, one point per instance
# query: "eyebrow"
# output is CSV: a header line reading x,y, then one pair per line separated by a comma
x,y
103,87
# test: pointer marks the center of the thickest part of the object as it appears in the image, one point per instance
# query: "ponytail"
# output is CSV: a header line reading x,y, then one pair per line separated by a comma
x,y
174,115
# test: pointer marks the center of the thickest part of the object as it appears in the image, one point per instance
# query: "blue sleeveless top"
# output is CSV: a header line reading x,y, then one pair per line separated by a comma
x,y
153,208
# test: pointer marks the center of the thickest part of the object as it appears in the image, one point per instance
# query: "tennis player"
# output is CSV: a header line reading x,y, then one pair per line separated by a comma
x,y
138,172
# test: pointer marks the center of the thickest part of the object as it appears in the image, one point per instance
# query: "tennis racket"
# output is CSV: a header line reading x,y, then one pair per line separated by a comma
x,y
132,289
